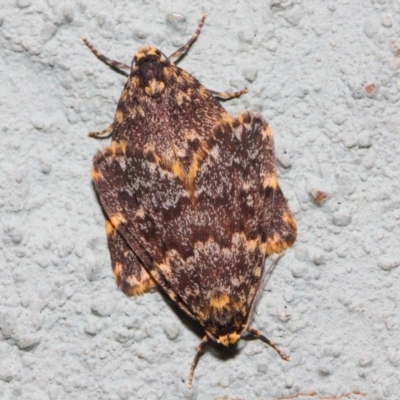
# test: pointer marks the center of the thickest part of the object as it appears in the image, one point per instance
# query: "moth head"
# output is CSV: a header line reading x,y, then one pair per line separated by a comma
x,y
148,65
146,54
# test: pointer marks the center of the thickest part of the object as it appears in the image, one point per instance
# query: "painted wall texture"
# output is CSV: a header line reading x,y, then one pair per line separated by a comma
x,y
326,75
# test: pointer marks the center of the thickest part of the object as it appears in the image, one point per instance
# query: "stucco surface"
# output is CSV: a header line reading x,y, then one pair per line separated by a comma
x,y
326,77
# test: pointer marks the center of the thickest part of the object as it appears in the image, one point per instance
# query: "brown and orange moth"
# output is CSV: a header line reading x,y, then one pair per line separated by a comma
x,y
191,196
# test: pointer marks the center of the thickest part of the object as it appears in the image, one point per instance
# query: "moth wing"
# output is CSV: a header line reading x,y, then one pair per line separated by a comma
x,y
241,173
205,240
185,109
238,217
129,272
140,198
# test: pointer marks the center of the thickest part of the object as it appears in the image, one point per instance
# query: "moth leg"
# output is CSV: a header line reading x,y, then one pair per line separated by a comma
x,y
130,274
199,350
227,96
264,339
186,47
103,132
105,59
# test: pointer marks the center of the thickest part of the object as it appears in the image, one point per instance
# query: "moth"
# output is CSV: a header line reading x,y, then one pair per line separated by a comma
x,y
191,196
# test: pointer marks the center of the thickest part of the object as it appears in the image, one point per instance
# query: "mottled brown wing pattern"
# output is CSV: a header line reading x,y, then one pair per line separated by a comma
x,y
163,109
191,196
203,235
129,183
172,122
130,274
237,217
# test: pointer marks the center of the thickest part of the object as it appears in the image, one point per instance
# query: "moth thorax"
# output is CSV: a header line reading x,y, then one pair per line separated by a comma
x,y
147,53
154,88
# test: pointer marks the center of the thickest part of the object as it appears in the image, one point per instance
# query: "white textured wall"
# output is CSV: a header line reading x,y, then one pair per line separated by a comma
x,y
66,332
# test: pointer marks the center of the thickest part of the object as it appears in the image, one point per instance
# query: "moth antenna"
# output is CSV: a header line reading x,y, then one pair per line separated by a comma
x,y
187,46
271,269
199,350
105,59
264,339
261,285
163,54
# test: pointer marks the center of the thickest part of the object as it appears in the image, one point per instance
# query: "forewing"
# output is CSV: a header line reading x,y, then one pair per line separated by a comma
x,y
206,234
238,217
139,198
129,272
175,123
